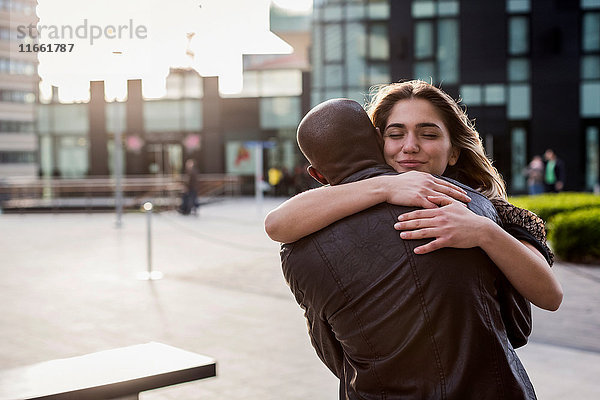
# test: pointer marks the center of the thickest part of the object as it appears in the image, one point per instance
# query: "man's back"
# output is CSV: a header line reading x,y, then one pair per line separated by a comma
x,y
392,324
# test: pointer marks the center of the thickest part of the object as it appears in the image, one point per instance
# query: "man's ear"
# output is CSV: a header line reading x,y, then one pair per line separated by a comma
x,y
316,175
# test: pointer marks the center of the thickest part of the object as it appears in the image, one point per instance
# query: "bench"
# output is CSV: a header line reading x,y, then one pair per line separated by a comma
x,y
112,374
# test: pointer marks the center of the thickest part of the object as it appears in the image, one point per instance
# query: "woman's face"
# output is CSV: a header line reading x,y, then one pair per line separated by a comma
x,y
416,139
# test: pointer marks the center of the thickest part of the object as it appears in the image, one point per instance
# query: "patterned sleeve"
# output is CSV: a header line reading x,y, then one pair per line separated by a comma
x,y
524,225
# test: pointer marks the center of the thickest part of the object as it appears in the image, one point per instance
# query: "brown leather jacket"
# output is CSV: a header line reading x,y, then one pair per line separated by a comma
x,y
394,325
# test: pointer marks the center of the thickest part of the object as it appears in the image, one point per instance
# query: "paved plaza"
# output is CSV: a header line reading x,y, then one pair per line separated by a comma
x,y
68,287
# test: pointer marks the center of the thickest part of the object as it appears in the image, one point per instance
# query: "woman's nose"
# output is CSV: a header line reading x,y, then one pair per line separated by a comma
x,y
411,144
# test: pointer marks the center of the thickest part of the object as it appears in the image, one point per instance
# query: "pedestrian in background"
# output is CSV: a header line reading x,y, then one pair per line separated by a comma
x,y
554,177
189,199
535,175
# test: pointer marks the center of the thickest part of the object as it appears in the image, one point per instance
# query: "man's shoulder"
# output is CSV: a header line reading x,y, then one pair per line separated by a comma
x,y
479,203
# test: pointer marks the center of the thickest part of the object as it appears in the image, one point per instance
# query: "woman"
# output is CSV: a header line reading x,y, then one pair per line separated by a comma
x,y
535,176
425,132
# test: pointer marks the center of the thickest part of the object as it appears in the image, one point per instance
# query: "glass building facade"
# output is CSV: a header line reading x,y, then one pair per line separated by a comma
x,y
527,71
350,48
18,94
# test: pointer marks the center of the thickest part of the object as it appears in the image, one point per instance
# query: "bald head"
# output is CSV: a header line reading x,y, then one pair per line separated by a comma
x,y
338,139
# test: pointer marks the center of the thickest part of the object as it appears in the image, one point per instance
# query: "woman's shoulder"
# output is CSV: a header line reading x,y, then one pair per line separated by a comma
x,y
516,219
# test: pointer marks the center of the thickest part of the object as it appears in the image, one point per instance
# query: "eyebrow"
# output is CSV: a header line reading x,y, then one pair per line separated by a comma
x,y
419,125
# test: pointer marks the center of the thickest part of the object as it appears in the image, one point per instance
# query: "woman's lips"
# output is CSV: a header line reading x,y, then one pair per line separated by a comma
x,y
410,163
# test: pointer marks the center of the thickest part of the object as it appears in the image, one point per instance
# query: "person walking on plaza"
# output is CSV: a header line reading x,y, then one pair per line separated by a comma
x,y
535,176
387,322
189,199
555,173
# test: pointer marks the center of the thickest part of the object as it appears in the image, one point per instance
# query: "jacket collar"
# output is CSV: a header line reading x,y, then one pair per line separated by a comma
x,y
381,169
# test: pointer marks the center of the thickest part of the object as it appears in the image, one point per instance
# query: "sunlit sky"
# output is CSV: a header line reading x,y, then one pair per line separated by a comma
x,y
116,40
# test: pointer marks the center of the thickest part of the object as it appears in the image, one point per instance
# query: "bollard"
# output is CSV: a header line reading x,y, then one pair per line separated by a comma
x,y
149,274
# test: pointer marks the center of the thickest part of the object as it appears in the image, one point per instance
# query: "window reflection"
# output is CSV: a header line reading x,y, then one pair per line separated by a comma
x,y
423,40
518,35
379,48
448,50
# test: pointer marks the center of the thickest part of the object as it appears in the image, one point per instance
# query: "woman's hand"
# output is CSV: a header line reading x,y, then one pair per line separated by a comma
x,y
414,188
452,225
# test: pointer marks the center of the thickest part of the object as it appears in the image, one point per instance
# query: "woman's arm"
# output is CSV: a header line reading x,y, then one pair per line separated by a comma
x,y
315,209
453,225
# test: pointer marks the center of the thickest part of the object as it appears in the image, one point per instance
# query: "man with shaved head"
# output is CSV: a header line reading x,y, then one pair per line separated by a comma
x,y
388,323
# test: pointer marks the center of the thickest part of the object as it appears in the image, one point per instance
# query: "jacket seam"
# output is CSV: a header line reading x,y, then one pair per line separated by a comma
x,y
425,311
491,329
358,320
428,321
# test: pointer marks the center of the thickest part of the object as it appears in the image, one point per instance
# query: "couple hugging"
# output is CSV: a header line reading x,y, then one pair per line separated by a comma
x,y
414,272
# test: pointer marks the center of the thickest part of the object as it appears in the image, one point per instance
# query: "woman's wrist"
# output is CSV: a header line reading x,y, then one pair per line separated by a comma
x,y
383,188
486,232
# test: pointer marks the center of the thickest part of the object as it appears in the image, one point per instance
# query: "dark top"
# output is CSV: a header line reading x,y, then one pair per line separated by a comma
x,y
394,325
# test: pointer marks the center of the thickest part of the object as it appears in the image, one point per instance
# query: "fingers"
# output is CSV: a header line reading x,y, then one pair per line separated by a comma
x,y
429,247
420,234
419,214
453,191
441,200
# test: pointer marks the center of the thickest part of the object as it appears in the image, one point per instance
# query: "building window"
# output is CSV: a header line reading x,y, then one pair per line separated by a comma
x,y
518,6
356,64
333,75
17,157
590,4
489,95
590,67
518,35
16,67
17,96
333,43
423,40
379,73
436,40
519,101
518,70
350,48
379,47
448,51
494,95
424,70
591,32
279,112
589,90
592,158
590,99
378,9
332,12
518,158
448,8
471,95
423,9
9,126
355,11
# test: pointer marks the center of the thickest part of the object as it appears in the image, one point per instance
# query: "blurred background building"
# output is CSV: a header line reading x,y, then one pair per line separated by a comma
x,y
528,70
193,120
18,94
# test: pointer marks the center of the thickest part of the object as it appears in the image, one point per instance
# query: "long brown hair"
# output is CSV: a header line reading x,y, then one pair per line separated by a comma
x,y
473,168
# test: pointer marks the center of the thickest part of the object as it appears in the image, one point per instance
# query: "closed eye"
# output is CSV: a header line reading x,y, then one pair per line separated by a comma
x,y
394,136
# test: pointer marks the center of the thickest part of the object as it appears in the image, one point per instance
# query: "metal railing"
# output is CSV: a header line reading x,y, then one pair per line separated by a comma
x,y
98,193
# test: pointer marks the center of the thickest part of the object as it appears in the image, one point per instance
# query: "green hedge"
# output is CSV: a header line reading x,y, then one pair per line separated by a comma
x,y
548,205
575,236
